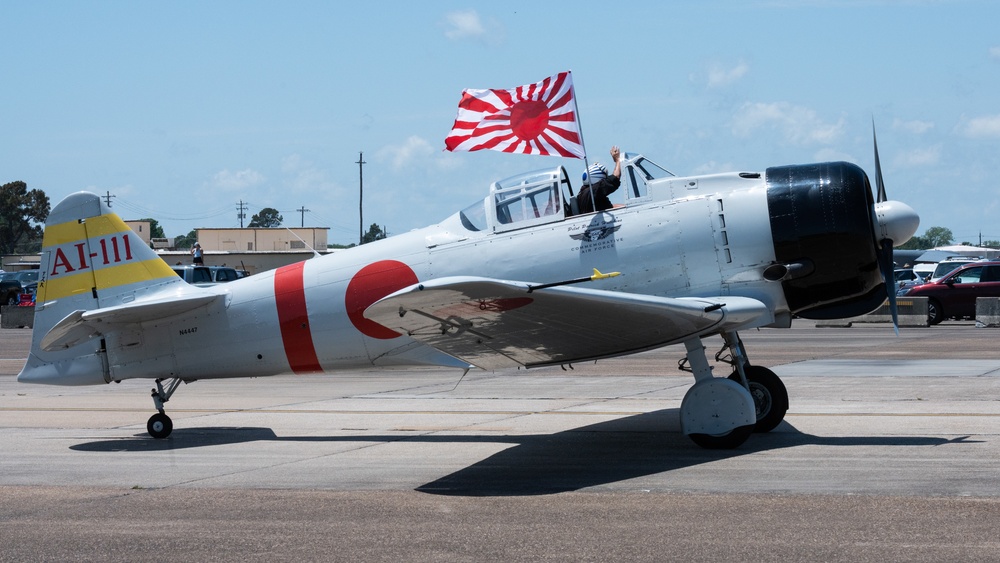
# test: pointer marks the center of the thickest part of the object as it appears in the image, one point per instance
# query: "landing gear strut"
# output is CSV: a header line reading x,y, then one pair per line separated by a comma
x,y
721,413
769,394
159,425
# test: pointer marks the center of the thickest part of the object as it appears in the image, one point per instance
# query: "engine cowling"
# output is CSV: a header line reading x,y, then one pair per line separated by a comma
x,y
822,220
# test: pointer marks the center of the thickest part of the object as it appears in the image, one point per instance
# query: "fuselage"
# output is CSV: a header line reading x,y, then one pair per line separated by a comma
x,y
805,232
308,317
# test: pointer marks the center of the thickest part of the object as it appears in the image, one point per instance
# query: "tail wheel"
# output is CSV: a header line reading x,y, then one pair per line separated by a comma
x,y
934,313
159,426
769,396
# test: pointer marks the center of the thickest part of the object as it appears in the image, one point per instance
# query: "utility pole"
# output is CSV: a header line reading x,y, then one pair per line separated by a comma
x,y
303,210
361,194
241,208
107,198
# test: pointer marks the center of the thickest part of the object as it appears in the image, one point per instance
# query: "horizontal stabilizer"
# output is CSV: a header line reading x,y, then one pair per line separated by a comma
x,y
80,326
494,323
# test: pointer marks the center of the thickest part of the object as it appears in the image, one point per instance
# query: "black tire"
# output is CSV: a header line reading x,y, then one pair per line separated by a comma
x,y
729,441
159,426
769,396
934,312
12,300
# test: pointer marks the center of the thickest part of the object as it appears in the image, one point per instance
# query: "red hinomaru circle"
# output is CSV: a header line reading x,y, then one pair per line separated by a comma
x,y
371,283
529,118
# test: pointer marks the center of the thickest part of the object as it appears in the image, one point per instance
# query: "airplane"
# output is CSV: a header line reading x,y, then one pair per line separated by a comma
x,y
513,280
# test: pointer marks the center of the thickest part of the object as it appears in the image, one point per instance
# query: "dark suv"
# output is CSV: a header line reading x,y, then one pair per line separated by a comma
x,y
13,284
954,296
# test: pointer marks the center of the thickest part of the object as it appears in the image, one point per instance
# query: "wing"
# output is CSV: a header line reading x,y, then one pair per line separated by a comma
x,y
494,323
80,326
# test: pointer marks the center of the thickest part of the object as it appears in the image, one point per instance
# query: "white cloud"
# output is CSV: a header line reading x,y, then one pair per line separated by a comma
x,y
303,176
239,180
987,126
408,154
799,125
995,53
464,24
915,127
918,157
467,24
719,76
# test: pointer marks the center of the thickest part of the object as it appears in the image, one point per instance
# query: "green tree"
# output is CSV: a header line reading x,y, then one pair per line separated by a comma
x,y
266,219
186,241
932,238
21,213
939,236
155,230
991,243
374,233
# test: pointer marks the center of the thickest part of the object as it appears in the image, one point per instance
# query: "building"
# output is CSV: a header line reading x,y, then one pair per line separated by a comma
x,y
254,250
263,240
140,228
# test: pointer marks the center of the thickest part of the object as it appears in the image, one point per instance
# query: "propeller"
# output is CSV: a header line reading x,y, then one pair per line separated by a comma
x,y
896,222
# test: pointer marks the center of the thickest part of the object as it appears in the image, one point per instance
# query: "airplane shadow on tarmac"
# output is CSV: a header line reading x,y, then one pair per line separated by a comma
x,y
537,464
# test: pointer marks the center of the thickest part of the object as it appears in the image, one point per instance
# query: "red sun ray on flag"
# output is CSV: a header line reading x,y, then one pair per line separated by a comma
x,y
539,118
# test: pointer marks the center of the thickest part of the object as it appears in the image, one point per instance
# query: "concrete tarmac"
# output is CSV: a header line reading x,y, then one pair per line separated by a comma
x,y
889,452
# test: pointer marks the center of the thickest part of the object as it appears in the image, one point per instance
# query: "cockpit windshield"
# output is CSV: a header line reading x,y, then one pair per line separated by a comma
x,y
546,196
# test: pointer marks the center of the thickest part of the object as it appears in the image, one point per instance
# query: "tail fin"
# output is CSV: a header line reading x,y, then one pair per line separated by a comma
x,y
90,260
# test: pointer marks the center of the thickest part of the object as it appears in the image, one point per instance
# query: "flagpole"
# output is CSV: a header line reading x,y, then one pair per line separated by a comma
x,y
579,125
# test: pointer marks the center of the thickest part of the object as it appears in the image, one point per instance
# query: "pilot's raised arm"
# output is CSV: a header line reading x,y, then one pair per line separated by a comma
x,y
598,185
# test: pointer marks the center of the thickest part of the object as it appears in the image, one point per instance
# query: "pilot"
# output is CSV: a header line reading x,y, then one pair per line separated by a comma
x,y
597,181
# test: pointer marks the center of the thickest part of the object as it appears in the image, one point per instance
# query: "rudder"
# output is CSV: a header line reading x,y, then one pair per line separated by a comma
x,y
90,260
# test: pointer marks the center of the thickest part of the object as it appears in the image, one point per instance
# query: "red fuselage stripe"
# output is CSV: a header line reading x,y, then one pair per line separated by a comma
x,y
290,297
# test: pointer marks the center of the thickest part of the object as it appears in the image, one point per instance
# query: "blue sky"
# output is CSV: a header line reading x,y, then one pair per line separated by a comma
x,y
183,109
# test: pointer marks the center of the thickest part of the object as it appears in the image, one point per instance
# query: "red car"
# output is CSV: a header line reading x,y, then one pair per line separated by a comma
x,y
954,296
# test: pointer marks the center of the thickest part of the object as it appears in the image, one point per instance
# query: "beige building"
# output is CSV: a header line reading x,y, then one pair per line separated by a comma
x,y
263,240
140,228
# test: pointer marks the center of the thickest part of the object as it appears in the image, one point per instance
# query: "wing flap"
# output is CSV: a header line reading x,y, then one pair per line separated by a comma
x,y
495,323
80,326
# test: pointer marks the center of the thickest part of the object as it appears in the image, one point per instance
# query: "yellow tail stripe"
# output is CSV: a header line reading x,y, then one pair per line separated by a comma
x,y
107,277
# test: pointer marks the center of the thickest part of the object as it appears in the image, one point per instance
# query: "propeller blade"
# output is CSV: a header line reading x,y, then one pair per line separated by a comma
x,y
878,170
887,266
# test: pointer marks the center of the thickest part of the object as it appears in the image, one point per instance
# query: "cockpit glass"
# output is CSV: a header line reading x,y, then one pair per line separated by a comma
x,y
474,216
651,170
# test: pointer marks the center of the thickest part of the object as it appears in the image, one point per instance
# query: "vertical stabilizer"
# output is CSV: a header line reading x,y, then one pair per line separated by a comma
x,y
90,260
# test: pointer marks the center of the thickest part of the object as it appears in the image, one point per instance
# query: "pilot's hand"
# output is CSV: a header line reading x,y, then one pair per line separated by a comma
x,y
615,153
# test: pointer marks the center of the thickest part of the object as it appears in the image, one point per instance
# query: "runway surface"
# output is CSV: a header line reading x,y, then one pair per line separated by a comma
x,y
889,451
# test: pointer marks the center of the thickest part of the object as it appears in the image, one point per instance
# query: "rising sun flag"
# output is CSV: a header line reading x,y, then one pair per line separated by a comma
x,y
539,118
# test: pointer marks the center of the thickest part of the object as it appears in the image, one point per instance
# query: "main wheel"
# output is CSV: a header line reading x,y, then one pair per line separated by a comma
x,y
934,313
733,439
770,398
159,426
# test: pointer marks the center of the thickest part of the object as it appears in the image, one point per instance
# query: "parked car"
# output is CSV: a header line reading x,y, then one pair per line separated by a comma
x,y
924,269
205,275
13,284
10,288
948,265
954,295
